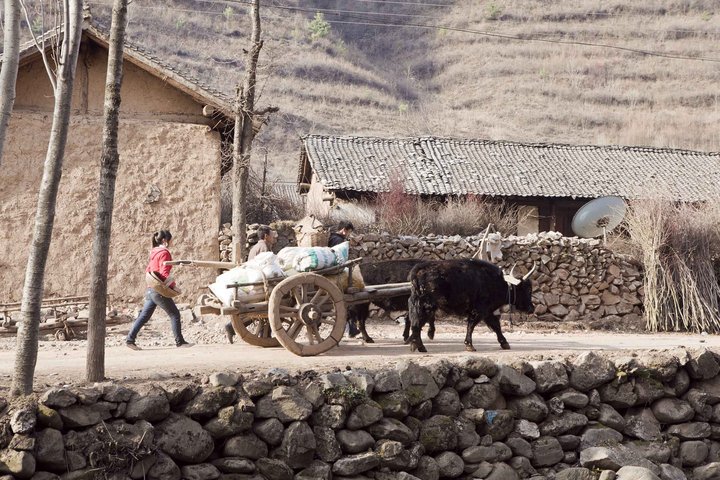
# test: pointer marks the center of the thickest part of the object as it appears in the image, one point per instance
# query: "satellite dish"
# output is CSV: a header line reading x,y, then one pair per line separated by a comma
x,y
599,216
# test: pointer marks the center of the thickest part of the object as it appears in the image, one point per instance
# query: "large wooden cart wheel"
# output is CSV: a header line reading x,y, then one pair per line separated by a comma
x,y
307,314
255,330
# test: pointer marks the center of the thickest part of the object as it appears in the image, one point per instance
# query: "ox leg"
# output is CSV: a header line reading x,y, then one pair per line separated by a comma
x,y
418,313
431,328
363,312
472,321
406,330
352,317
493,321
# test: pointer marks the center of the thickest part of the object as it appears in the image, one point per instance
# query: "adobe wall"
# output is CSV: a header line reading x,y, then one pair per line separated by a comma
x,y
645,416
143,95
181,160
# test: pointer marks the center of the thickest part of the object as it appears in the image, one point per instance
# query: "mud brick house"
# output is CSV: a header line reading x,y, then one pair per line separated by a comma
x,y
171,130
550,182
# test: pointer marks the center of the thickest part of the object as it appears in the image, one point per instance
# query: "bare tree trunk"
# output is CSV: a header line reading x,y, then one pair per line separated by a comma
x,y
109,162
9,70
243,137
27,339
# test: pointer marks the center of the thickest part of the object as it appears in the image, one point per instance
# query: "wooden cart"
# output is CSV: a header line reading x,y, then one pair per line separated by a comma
x,y
305,312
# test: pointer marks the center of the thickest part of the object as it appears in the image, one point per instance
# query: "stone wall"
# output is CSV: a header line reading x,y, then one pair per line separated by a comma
x,y
577,279
646,416
286,237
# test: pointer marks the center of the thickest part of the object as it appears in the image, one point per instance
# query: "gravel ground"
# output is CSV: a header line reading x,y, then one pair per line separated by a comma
x,y
64,362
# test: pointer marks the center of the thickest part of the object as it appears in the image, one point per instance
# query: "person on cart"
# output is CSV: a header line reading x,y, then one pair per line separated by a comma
x,y
267,238
344,229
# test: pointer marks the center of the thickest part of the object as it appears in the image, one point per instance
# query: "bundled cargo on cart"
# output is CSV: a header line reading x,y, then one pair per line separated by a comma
x,y
296,299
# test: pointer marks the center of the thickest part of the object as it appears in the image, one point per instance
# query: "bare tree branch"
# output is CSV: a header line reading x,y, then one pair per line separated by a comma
x,y
40,44
266,110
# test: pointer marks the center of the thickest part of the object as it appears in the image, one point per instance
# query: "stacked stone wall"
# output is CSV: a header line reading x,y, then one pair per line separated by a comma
x,y
577,279
286,237
583,418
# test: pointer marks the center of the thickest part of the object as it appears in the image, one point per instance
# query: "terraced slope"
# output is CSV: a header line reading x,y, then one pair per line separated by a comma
x,y
391,80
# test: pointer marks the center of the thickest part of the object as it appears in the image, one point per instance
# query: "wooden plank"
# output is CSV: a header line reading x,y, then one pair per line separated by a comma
x,y
252,307
50,302
202,263
370,295
77,323
384,286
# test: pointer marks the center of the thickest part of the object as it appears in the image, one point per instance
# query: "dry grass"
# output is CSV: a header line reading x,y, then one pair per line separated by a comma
x,y
678,245
365,80
398,213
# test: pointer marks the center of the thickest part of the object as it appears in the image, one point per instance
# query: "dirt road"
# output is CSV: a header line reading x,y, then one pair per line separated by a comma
x,y
64,362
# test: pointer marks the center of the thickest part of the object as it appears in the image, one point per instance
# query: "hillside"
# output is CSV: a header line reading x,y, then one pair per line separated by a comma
x,y
396,81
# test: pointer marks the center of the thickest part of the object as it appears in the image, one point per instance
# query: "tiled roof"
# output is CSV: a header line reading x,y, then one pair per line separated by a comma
x,y
441,166
147,61
286,190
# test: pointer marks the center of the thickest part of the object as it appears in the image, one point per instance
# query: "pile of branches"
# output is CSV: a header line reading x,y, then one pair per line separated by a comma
x,y
679,245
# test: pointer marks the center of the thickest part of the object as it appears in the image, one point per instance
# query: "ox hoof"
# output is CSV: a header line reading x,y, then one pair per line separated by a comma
x,y
505,346
470,348
406,340
420,348
369,340
431,334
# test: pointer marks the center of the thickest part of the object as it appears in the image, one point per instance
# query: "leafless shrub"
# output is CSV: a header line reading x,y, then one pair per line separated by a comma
x,y
677,244
265,203
399,213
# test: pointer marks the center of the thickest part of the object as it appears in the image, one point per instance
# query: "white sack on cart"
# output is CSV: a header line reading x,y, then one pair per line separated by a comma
x,y
286,256
267,263
249,272
317,258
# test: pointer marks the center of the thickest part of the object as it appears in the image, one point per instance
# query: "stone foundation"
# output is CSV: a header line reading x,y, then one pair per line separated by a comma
x,y
644,416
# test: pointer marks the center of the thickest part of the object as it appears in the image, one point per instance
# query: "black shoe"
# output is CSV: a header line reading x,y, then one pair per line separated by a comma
x,y
132,346
229,332
185,344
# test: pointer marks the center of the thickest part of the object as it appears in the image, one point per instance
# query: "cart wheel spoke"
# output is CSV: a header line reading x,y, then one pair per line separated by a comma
x,y
288,314
303,292
255,330
295,328
297,294
320,298
313,335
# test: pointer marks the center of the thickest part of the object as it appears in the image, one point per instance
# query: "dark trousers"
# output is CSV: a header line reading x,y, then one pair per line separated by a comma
x,y
152,300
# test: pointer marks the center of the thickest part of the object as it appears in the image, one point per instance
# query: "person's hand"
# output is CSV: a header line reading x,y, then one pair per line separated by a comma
x,y
177,289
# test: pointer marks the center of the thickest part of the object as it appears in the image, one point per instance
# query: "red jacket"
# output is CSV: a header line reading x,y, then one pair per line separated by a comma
x,y
158,255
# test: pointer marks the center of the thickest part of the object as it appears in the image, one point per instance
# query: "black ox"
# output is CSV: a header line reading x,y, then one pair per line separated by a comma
x,y
472,288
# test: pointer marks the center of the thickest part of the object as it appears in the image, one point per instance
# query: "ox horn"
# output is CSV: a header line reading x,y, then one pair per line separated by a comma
x,y
527,275
510,278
